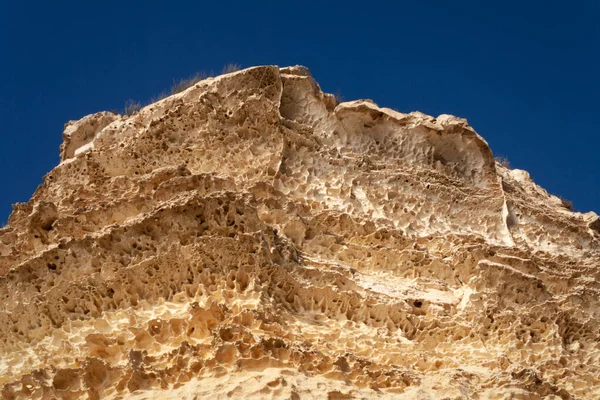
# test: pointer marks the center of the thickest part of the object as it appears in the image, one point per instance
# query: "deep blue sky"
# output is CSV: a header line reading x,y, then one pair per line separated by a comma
x,y
525,74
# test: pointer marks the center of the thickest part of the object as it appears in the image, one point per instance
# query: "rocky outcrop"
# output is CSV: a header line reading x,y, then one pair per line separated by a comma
x,y
250,237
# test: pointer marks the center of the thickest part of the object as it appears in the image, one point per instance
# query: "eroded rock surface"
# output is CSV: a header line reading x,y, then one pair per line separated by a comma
x,y
250,237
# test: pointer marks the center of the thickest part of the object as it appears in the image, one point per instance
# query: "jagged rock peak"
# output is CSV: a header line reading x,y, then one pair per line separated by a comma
x,y
252,237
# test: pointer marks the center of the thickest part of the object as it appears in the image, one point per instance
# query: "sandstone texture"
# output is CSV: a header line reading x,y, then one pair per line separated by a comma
x,y
252,238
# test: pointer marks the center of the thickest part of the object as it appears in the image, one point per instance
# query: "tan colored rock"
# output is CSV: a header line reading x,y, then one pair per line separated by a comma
x,y
250,237
79,135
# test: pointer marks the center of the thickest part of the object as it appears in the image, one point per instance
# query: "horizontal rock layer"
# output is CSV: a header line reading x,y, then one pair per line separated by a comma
x,y
251,237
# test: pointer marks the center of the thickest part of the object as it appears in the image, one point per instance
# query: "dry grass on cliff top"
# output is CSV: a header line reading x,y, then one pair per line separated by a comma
x,y
133,106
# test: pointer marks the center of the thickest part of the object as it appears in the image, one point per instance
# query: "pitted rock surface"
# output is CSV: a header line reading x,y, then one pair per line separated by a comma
x,y
250,237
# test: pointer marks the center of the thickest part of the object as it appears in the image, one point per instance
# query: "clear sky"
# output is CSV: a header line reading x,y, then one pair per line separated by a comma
x,y
524,73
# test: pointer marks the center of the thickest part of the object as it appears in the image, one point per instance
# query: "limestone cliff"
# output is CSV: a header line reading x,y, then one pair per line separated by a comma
x,y
250,237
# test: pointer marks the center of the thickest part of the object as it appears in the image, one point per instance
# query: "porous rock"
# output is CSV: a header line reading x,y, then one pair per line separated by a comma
x,y
251,237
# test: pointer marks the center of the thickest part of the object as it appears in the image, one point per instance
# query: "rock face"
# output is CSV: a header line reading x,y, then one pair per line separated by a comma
x,y
250,237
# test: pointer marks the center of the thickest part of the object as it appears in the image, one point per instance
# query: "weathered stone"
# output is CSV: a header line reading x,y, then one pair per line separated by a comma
x,y
250,237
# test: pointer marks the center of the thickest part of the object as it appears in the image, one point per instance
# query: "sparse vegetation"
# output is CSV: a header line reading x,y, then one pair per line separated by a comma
x,y
131,107
502,161
229,68
182,84
158,97
338,97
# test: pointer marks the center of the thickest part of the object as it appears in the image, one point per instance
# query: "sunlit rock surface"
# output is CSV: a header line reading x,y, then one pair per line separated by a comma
x,y
251,238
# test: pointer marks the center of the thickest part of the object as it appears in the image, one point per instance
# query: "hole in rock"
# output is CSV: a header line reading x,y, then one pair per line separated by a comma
x,y
418,303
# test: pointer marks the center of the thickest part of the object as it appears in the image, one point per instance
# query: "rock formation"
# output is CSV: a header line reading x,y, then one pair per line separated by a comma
x,y
251,238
